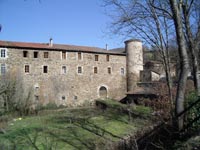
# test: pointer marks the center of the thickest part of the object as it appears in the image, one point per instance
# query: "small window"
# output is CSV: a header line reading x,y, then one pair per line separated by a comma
x,y
25,53
95,70
64,69
3,53
79,56
96,57
122,71
46,54
64,55
37,89
45,69
36,98
3,69
79,69
75,97
109,70
26,69
35,54
63,98
107,57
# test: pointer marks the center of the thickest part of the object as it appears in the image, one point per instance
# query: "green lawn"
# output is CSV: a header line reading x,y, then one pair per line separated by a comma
x,y
70,129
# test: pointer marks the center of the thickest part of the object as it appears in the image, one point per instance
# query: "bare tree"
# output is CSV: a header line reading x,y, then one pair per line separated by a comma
x,y
13,95
176,7
145,21
153,21
191,21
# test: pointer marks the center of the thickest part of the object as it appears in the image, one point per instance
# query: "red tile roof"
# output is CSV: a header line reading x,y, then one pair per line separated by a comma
x,y
46,46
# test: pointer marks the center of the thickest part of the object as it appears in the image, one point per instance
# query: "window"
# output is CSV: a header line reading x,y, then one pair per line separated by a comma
x,y
79,55
75,97
35,54
64,55
45,69
36,88
36,98
107,57
3,53
103,93
63,98
79,69
96,57
122,71
25,53
64,69
26,69
3,69
109,70
95,70
46,54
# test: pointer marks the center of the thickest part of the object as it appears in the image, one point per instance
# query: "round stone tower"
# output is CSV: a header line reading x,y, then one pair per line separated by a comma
x,y
134,62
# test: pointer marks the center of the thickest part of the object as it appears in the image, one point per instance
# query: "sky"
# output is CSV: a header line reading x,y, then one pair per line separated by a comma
x,y
74,22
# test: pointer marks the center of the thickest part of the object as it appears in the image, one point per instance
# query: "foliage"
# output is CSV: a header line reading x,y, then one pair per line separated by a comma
x,y
194,111
111,103
142,110
132,110
13,96
47,106
70,129
190,144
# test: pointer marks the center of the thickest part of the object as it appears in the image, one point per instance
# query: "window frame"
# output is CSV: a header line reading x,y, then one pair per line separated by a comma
x,y
45,69
122,71
25,54
3,69
79,56
107,57
96,57
64,55
46,54
64,69
109,70
79,69
4,54
26,68
35,54
95,70
63,98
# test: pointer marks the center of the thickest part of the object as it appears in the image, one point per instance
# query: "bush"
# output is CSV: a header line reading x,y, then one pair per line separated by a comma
x,y
194,111
142,110
133,110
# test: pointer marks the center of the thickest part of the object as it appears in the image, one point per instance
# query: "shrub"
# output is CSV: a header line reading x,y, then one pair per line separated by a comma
x,y
142,110
194,111
132,110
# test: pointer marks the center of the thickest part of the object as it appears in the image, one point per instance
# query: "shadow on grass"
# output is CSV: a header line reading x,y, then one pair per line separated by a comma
x,y
74,129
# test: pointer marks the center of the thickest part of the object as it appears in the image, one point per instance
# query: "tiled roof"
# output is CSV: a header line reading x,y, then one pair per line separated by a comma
x,y
46,46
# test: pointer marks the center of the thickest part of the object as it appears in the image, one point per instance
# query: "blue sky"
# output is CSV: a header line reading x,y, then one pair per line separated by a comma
x,y
77,22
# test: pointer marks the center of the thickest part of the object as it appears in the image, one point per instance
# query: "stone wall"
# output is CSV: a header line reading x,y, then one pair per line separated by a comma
x,y
70,88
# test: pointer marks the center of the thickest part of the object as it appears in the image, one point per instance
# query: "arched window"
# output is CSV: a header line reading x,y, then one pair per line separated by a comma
x,y
103,92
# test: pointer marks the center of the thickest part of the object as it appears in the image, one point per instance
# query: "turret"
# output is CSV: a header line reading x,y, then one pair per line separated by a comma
x,y
134,62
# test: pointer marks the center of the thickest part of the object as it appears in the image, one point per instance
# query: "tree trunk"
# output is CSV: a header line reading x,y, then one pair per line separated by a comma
x,y
192,48
184,65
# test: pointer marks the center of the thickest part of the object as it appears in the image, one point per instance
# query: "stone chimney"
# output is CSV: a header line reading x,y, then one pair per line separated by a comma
x,y
106,46
134,62
50,42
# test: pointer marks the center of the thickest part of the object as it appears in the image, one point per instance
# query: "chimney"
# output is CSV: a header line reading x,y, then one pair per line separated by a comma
x,y
106,46
50,42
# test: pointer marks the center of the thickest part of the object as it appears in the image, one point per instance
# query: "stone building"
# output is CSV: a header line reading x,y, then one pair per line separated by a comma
x,y
72,75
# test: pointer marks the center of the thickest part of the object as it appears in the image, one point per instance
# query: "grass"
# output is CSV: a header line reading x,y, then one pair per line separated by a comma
x,y
69,129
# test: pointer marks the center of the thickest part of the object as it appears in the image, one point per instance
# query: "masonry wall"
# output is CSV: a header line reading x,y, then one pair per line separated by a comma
x,y
70,88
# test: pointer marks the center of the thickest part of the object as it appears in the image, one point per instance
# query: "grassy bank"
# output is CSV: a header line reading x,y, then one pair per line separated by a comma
x,y
82,128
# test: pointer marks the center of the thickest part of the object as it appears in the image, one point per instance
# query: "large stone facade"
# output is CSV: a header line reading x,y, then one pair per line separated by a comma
x,y
69,75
